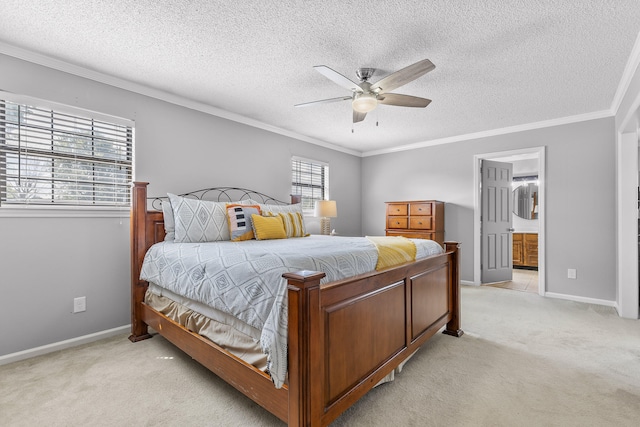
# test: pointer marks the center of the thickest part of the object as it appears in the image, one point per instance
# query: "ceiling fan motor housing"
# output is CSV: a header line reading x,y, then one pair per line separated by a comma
x,y
365,74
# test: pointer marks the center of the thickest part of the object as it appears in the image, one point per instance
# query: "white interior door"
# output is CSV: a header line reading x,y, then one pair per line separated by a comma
x,y
496,222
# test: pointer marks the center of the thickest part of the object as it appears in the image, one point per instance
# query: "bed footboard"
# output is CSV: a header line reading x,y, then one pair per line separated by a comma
x,y
346,336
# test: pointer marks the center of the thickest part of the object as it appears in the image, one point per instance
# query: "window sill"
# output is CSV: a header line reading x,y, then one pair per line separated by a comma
x,y
63,212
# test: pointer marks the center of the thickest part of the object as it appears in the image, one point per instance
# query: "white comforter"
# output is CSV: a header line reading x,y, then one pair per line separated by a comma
x,y
245,280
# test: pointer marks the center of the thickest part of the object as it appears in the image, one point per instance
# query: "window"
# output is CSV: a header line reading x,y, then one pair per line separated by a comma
x,y
52,157
310,179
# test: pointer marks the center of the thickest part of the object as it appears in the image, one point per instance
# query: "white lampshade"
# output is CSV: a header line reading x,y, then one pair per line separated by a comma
x,y
364,102
326,209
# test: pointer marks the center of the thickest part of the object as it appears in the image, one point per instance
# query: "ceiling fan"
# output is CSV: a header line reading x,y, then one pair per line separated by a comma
x,y
366,96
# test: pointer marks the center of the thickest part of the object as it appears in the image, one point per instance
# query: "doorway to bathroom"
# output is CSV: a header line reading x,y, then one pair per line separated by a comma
x,y
527,237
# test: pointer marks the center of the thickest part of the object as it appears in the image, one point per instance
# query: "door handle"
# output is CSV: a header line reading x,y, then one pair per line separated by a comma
x,y
511,230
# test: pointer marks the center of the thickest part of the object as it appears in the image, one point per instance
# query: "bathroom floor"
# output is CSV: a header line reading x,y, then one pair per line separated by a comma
x,y
523,280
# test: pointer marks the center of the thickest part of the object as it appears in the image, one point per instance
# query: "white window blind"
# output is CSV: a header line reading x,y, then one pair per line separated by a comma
x,y
310,179
50,157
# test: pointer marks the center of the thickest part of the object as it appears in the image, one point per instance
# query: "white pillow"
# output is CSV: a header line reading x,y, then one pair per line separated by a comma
x,y
199,220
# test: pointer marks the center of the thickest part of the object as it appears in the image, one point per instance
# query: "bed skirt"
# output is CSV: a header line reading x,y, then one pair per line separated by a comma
x,y
226,336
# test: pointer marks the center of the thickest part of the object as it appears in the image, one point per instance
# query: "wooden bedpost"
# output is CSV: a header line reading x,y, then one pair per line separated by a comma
x,y
453,327
139,330
304,352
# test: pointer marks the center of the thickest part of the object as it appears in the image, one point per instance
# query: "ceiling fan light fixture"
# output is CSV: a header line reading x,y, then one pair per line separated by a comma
x,y
364,102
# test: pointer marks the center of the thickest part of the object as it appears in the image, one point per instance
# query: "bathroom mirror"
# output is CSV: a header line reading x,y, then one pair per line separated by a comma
x,y
525,197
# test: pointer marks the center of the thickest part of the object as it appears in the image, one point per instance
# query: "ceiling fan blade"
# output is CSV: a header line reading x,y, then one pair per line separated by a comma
x,y
323,101
358,117
338,78
403,76
403,100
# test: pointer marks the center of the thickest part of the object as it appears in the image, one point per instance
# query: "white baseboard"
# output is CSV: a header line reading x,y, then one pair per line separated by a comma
x,y
575,298
581,299
73,342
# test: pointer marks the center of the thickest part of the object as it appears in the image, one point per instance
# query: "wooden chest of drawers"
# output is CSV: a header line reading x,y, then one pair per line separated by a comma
x,y
421,219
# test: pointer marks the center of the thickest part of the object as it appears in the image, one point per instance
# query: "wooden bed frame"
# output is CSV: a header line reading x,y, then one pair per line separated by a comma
x,y
343,338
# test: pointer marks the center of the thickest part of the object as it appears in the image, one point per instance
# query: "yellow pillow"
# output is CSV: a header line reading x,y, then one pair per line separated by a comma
x,y
293,223
268,227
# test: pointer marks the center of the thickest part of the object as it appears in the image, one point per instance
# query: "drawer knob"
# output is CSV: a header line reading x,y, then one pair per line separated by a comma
x,y
420,223
419,209
397,223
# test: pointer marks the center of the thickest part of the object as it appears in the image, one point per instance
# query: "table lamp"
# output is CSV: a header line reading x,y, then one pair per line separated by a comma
x,y
326,209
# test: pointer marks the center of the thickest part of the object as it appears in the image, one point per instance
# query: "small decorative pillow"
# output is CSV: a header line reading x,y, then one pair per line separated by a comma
x,y
240,223
268,227
293,224
199,220
169,221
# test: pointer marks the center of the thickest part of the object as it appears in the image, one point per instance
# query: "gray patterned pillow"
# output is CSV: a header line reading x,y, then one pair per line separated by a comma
x,y
199,220
246,202
169,222
276,209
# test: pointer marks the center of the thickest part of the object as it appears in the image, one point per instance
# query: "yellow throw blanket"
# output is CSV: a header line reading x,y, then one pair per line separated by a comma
x,y
393,250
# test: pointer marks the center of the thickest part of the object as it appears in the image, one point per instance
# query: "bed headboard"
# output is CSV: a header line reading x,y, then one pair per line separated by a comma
x,y
224,194
147,225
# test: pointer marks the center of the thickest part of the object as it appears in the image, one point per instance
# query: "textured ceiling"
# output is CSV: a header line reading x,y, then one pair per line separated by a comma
x,y
499,63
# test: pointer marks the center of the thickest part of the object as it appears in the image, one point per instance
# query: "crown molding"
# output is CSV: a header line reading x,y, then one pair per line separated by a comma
x,y
87,73
495,132
627,76
63,66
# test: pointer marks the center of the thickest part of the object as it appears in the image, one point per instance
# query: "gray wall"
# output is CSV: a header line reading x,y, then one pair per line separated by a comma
x,y
46,262
580,212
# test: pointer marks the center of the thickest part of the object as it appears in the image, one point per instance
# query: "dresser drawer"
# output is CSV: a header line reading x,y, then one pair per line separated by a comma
x,y
421,222
420,209
399,209
397,222
412,234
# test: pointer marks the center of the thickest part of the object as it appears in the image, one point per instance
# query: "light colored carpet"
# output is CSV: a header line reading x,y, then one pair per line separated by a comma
x,y
524,361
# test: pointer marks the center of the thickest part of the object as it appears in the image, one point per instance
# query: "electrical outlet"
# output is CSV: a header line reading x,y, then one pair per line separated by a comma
x,y
572,273
79,304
